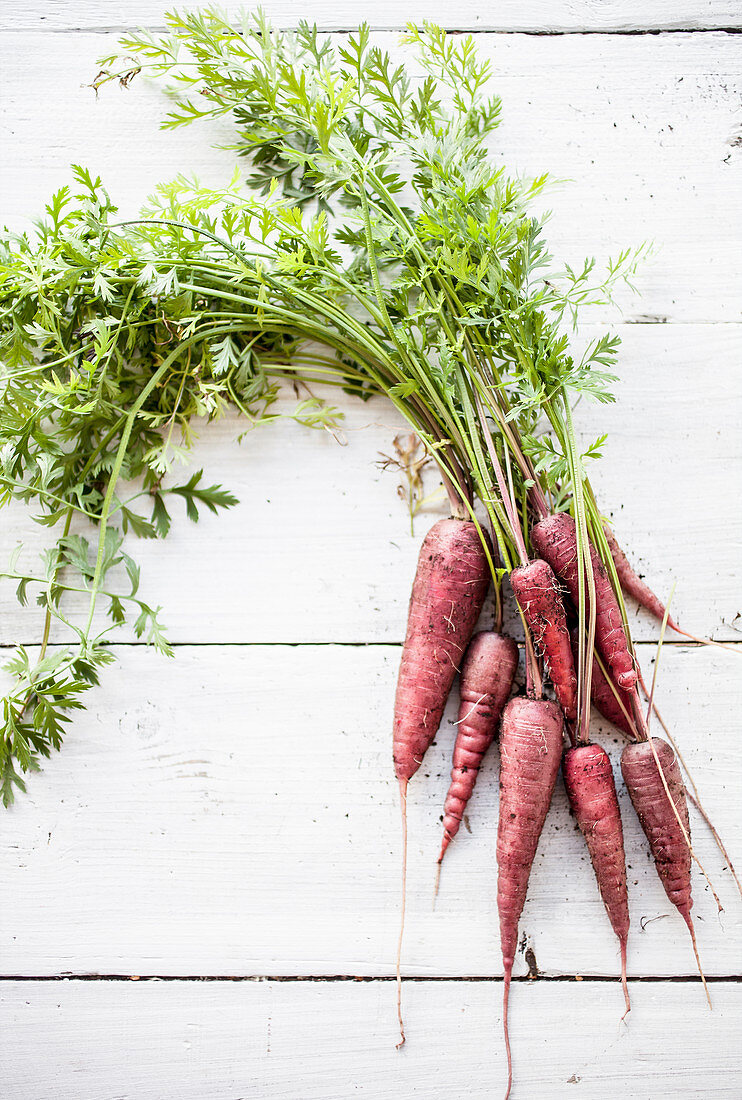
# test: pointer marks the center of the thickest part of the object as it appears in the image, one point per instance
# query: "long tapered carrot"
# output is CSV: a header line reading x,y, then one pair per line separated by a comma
x,y
655,785
486,679
530,752
588,778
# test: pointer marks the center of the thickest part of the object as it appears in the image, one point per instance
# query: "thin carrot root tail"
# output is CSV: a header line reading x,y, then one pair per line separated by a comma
x,y
633,585
506,1030
674,626
403,804
702,641
624,981
691,928
437,878
447,838
689,794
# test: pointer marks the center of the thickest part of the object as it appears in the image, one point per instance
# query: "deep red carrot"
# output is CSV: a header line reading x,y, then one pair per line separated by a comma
x,y
530,752
588,778
537,591
607,699
486,679
647,792
447,596
556,541
640,765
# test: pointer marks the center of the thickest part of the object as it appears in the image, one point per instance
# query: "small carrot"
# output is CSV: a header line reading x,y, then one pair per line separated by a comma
x,y
588,778
486,679
537,591
633,585
530,752
556,541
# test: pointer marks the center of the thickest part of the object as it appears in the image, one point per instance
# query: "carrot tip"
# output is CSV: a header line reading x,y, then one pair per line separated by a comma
x,y
506,1029
624,981
403,805
437,881
689,921
444,847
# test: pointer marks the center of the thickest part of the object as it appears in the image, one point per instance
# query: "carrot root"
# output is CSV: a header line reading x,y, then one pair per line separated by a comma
x,y
689,921
624,982
403,798
506,1030
719,842
437,884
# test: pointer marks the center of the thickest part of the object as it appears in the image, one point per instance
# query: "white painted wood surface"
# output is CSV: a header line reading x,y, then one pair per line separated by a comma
x,y
538,16
647,129
322,544
233,812
289,1041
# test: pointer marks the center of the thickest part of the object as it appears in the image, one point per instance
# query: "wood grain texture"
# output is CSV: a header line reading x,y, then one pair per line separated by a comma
x,y
647,128
540,16
235,812
329,1041
319,549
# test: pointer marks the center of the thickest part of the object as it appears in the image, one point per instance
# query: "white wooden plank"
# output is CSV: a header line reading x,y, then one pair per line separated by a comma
x,y
235,812
329,1041
541,16
319,548
161,841
646,126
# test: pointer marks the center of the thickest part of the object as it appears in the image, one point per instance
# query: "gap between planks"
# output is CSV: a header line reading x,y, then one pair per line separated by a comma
x,y
689,979
626,32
